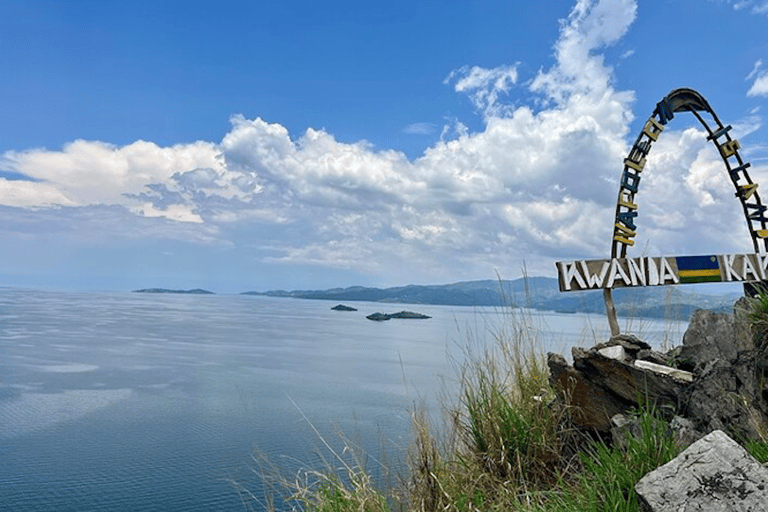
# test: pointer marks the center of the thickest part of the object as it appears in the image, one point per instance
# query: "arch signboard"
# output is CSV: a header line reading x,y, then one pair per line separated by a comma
x,y
622,271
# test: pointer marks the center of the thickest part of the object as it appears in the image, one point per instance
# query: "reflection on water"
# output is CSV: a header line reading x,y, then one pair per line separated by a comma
x,y
120,401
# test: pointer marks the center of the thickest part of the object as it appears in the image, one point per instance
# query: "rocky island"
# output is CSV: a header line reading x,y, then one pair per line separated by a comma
x,y
342,307
380,317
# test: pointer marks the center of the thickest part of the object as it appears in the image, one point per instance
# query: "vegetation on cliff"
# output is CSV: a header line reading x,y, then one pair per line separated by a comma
x,y
506,445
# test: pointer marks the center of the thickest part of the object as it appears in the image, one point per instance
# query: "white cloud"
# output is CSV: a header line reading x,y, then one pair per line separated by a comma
x,y
92,172
754,6
420,129
484,86
537,183
760,86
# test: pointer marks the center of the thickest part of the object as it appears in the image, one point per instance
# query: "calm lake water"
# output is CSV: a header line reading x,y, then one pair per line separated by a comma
x,y
124,401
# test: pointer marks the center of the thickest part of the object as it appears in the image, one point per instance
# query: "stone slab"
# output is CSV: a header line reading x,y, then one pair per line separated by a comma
x,y
714,474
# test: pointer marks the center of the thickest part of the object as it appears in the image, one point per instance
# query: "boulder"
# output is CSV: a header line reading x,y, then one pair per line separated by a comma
x,y
728,396
592,406
605,381
714,380
713,336
714,474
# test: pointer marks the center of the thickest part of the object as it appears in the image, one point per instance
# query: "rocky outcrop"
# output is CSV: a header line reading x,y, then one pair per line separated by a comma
x,y
714,474
712,382
610,379
379,317
342,307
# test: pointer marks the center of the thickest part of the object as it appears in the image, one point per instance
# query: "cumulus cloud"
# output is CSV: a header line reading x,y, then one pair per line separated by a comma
x,y
537,182
92,172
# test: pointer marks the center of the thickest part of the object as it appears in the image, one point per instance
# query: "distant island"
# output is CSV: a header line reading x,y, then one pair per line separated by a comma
x,y
342,307
380,317
540,293
198,291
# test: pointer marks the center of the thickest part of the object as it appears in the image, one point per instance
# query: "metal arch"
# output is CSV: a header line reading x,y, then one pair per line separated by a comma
x,y
682,100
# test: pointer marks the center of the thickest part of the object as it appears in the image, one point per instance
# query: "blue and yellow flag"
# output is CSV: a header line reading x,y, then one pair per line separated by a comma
x,y
698,269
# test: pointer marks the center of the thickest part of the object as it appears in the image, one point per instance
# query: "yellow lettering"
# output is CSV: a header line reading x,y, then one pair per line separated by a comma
x,y
762,233
653,128
638,166
627,204
625,200
746,191
729,148
625,231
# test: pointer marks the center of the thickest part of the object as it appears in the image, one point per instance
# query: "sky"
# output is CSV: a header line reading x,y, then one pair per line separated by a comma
x,y
244,146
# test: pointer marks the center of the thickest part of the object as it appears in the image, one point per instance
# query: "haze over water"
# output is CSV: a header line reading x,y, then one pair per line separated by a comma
x,y
121,401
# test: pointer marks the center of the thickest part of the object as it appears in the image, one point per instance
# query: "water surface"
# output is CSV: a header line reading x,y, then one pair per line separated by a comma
x,y
120,401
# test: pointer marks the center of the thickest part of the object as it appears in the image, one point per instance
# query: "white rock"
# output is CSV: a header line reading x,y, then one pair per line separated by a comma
x,y
714,474
665,370
615,352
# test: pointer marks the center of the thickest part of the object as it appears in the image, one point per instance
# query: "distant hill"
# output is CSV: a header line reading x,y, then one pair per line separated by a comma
x,y
534,292
198,291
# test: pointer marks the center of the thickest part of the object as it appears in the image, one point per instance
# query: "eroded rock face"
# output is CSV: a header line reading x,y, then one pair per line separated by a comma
x,y
714,474
723,389
603,383
728,396
592,405
709,336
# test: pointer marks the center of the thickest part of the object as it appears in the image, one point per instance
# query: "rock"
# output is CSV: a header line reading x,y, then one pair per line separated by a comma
x,y
342,307
661,369
685,432
615,352
623,427
728,396
713,336
409,315
629,342
627,382
591,405
402,314
714,474
653,356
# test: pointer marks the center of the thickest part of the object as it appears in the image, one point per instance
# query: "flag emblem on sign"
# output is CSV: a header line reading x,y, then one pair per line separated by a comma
x,y
698,269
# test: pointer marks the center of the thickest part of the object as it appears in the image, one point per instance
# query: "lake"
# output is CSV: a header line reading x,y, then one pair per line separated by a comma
x,y
127,401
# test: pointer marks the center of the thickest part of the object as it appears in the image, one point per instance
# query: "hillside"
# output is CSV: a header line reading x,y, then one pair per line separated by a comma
x,y
536,292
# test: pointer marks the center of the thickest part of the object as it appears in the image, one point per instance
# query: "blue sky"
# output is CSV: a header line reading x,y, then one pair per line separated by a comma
x,y
261,145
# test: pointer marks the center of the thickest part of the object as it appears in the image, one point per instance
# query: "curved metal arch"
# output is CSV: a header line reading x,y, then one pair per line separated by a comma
x,y
686,100
682,100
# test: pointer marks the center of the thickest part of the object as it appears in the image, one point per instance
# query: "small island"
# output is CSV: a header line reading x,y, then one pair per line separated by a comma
x,y
342,307
198,291
380,317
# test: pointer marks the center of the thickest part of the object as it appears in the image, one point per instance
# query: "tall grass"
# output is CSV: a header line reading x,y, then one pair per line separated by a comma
x,y
505,445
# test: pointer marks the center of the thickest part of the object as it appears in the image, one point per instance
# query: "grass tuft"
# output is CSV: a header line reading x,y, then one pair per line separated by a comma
x,y
506,445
